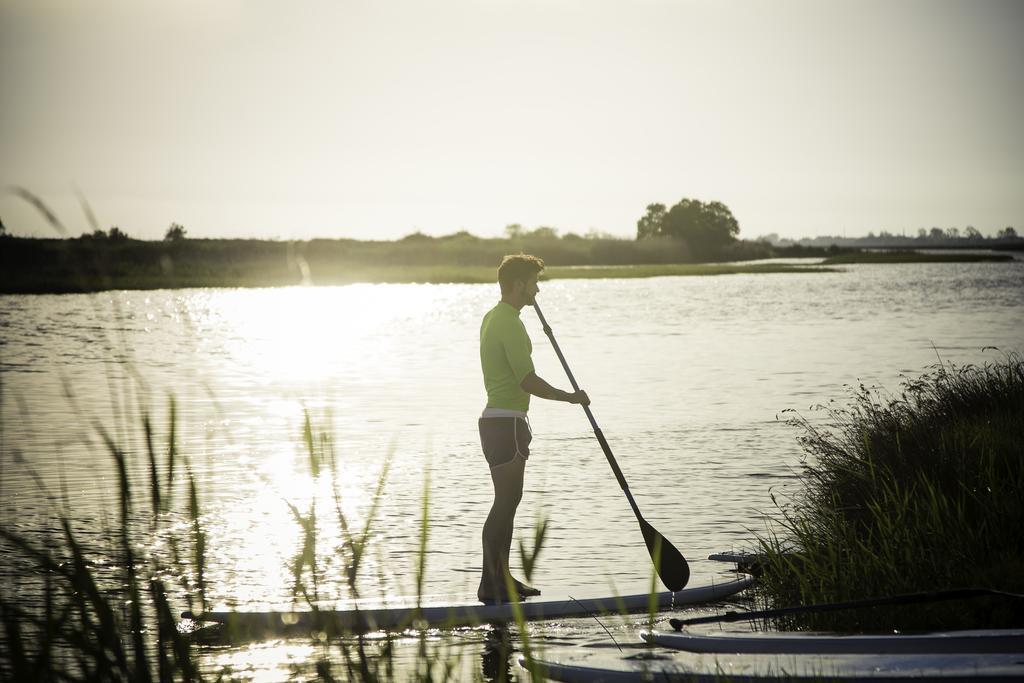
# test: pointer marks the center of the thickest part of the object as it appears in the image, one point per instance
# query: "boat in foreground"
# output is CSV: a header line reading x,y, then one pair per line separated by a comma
x,y
981,641
451,616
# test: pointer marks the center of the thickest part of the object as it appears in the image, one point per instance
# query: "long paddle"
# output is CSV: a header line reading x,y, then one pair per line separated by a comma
x,y
670,563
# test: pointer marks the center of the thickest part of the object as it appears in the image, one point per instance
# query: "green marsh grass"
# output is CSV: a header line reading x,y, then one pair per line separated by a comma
x,y
908,493
108,620
280,274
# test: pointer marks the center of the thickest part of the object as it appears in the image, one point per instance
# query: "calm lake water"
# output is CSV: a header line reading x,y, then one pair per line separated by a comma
x,y
688,377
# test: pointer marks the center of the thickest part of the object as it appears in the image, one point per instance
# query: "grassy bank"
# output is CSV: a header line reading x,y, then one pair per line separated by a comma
x,y
61,266
89,264
897,256
908,493
675,269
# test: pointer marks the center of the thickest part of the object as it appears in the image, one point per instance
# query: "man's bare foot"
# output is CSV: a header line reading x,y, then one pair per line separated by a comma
x,y
500,599
491,593
524,590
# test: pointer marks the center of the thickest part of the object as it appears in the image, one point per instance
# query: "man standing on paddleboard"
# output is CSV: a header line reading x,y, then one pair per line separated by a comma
x,y
505,358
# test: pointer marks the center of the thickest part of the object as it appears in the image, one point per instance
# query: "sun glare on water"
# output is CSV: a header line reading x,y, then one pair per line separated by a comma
x,y
312,349
301,334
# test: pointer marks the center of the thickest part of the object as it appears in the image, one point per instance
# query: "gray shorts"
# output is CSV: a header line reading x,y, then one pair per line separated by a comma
x,y
503,438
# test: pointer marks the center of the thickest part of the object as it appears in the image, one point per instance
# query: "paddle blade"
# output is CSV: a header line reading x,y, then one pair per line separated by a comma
x,y
669,562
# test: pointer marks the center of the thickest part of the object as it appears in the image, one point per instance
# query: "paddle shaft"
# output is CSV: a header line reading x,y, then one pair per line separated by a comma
x,y
590,416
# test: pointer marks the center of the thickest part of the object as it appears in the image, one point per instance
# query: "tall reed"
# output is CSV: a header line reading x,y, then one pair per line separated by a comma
x,y
908,493
377,656
84,619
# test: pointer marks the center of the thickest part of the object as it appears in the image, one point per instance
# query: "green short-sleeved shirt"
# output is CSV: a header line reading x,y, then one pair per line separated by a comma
x,y
505,350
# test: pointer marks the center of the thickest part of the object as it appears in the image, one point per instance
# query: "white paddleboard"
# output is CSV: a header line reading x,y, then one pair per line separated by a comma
x,y
586,665
974,641
451,616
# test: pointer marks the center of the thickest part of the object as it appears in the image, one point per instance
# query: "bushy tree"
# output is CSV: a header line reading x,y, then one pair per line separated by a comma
x,y
1007,233
459,235
175,233
115,234
705,227
650,224
544,233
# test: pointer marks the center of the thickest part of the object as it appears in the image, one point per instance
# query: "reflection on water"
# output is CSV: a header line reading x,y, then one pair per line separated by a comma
x,y
497,655
687,376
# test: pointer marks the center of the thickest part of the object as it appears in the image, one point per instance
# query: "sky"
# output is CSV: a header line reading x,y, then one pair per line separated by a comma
x,y
375,119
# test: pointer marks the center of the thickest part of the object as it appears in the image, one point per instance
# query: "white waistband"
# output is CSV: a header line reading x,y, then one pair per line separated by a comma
x,y
502,412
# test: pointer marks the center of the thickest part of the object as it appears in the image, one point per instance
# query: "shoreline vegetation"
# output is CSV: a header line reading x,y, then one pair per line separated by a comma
x,y
904,494
103,261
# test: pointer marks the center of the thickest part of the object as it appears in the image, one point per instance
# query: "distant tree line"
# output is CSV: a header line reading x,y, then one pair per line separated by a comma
x,y
174,233
690,231
934,237
110,259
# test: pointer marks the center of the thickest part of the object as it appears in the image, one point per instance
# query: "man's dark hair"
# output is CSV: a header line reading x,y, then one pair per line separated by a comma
x,y
517,268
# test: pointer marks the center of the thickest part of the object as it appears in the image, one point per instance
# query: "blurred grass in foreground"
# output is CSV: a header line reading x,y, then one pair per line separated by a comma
x,y
107,609
908,493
